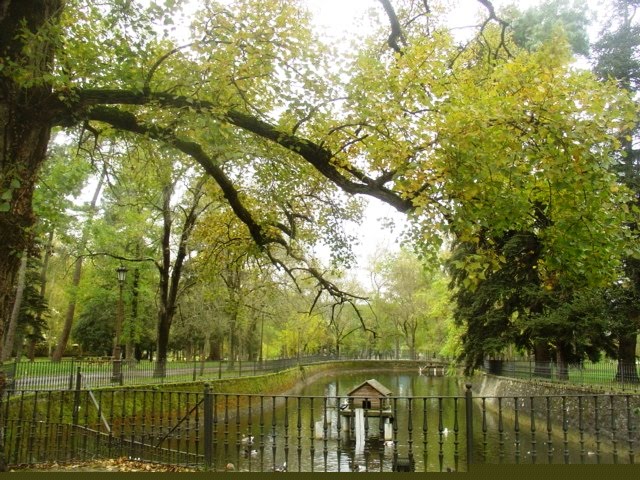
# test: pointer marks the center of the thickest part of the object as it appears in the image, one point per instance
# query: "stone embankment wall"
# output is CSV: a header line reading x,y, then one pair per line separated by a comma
x,y
574,408
491,385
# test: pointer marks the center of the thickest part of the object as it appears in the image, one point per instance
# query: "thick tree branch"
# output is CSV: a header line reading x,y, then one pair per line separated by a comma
x,y
128,122
503,25
319,157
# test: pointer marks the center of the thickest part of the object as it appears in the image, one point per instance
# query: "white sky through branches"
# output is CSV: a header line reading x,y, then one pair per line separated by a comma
x,y
339,21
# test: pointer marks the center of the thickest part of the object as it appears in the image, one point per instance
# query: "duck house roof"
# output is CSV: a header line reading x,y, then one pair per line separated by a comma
x,y
376,385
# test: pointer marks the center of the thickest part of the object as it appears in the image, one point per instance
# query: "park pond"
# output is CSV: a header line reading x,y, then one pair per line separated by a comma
x,y
313,424
306,432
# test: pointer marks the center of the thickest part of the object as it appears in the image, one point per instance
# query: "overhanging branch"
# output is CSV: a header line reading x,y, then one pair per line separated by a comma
x,y
128,122
316,155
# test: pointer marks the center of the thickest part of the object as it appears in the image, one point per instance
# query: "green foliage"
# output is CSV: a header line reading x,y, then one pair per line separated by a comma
x,y
493,145
412,303
61,180
94,329
487,308
518,304
533,27
575,322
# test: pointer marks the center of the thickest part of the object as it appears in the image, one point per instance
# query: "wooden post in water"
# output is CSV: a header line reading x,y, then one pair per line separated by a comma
x,y
359,429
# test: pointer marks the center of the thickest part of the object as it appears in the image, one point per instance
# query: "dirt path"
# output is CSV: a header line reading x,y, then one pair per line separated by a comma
x,y
110,465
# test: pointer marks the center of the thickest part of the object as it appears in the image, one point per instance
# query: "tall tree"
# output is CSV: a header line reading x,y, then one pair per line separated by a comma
x,y
77,276
171,268
617,55
402,129
533,27
160,210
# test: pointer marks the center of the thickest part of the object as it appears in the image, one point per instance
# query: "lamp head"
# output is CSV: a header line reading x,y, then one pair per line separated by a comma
x,y
122,273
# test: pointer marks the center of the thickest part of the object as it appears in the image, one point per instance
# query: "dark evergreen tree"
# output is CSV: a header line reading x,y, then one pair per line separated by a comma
x,y
617,56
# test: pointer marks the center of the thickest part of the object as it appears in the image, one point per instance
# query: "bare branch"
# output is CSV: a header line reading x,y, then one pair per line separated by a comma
x,y
396,30
155,66
119,257
503,25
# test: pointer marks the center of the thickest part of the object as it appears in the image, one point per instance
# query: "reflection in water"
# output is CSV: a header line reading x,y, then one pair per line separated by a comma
x,y
306,432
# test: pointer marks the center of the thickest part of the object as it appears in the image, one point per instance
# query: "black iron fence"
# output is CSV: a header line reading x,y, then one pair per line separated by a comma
x,y
216,431
104,372
610,374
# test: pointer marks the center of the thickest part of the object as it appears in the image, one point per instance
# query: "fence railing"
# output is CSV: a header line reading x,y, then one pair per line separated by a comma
x,y
217,431
623,376
105,372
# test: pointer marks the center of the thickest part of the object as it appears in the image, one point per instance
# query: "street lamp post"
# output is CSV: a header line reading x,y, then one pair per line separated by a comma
x,y
261,338
117,362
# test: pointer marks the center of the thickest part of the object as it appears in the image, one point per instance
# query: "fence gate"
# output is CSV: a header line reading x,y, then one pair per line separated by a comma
x,y
82,425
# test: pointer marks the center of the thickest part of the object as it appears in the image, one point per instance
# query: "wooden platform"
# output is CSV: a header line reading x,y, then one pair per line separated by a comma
x,y
347,412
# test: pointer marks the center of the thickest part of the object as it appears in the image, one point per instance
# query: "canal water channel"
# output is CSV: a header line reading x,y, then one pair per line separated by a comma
x,y
304,432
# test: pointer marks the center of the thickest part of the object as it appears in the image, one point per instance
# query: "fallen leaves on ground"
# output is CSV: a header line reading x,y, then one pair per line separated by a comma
x,y
109,465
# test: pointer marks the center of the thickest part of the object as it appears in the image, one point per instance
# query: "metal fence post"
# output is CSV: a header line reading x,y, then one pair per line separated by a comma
x,y
76,412
14,378
71,373
194,366
76,397
469,415
208,425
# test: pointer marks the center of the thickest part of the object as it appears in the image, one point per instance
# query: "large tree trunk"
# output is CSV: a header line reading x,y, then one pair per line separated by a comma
x,y
22,152
9,339
562,372
215,348
627,370
542,358
25,130
162,342
24,134
165,310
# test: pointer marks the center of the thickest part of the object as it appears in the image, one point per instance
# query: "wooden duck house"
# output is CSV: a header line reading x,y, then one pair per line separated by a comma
x,y
369,399
369,395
